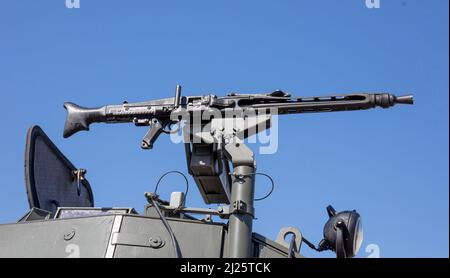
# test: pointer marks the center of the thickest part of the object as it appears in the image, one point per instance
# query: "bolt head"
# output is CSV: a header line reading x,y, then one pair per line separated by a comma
x,y
69,235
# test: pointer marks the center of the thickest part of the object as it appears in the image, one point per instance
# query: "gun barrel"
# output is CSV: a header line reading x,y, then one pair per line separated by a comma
x,y
334,103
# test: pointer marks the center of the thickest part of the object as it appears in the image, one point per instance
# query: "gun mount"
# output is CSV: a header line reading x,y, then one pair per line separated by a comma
x,y
218,140
223,167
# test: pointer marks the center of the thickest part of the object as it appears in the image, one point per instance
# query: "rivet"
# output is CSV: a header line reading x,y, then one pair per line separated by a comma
x,y
69,235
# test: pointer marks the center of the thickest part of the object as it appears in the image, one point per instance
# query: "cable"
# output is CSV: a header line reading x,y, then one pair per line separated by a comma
x,y
323,245
310,245
291,249
151,197
170,172
261,174
271,189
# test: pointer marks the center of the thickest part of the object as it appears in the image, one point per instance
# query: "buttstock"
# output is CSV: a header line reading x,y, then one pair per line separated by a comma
x,y
79,118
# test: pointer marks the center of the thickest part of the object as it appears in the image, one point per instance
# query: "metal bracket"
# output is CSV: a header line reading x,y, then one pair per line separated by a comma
x,y
222,211
240,207
240,154
141,240
230,129
293,247
79,176
35,214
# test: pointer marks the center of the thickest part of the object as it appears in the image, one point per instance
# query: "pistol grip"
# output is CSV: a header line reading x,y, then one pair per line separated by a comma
x,y
156,128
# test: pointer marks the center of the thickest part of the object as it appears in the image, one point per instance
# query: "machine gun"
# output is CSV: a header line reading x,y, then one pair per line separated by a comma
x,y
156,113
213,142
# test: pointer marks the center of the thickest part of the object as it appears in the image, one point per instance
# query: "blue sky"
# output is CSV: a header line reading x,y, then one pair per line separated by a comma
x,y
391,165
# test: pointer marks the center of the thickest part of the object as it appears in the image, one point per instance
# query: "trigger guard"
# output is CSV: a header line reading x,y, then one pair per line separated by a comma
x,y
172,131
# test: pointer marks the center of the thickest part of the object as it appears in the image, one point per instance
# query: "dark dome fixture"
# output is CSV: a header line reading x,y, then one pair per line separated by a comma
x,y
342,234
